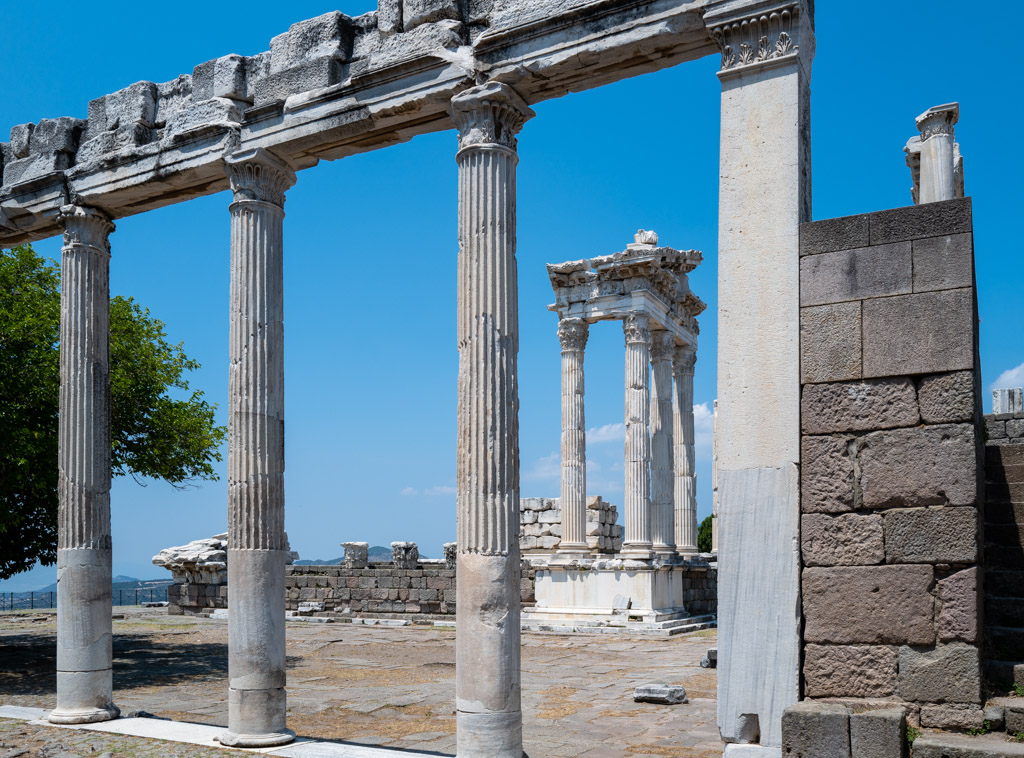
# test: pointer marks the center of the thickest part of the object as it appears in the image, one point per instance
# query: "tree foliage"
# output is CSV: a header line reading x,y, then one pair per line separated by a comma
x,y
159,429
704,535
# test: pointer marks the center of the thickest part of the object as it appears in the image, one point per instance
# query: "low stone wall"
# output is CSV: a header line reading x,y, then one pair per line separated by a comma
x,y
540,525
196,599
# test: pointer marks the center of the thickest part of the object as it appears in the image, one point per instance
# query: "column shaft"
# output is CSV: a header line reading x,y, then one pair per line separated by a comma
x,y
487,689
84,633
638,441
663,536
685,475
572,334
256,537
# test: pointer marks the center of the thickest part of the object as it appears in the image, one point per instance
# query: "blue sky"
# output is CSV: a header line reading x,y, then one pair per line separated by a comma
x,y
371,248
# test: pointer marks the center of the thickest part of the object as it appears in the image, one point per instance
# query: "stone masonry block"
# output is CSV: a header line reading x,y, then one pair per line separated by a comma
x,y
925,333
943,674
878,733
326,36
850,539
946,398
959,601
856,274
995,428
921,466
417,12
942,263
816,730
931,535
888,605
826,483
221,77
919,221
1015,428
20,140
850,670
858,406
830,342
955,716
831,234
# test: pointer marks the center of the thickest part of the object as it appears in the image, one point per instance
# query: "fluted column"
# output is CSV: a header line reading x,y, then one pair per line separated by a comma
x,y
84,638
663,532
487,690
256,539
572,334
683,361
638,441
938,157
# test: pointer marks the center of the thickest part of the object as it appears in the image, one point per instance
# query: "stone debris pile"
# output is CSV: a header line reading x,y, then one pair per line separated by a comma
x,y
199,562
540,521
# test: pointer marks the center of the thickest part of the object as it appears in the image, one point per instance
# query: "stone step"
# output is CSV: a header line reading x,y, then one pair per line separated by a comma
x,y
999,557
1003,513
1003,583
1004,674
1005,535
1004,455
1004,611
1006,642
1004,492
997,472
996,745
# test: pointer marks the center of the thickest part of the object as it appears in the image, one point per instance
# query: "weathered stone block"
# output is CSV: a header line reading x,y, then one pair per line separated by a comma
x,y
878,733
847,540
665,694
931,535
301,77
945,262
918,221
826,483
921,466
925,333
221,77
20,140
946,398
816,730
1015,428
833,234
417,12
859,405
850,670
994,428
830,342
889,605
943,674
326,36
952,716
959,600
856,274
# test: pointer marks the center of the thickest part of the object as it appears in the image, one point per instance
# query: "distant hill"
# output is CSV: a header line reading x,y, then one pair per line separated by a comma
x,y
122,583
377,553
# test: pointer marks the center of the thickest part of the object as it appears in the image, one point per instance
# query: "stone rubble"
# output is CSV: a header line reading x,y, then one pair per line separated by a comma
x,y
666,694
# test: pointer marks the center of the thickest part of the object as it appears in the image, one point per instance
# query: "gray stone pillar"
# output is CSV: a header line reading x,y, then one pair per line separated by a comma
x,y
714,478
764,195
637,541
572,335
938,175
663,531
489,718
257,546
683,362
84,637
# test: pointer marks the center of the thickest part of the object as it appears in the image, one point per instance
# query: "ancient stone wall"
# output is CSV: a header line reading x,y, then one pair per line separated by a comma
x,y
540,525
891,445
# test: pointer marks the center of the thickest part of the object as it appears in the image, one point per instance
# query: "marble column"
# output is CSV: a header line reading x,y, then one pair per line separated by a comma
x,y
683,361
572,334
663,531
84,637
256,537
489,719
938,175
637,540
764,195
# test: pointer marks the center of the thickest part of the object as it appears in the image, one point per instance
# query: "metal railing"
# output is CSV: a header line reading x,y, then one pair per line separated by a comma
x,y
29,601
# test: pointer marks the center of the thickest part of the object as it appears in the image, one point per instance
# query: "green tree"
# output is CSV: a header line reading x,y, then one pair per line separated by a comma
x,y
704,535
153,434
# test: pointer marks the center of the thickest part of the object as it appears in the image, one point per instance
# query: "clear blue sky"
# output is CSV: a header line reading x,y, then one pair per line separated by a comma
x,y
371,247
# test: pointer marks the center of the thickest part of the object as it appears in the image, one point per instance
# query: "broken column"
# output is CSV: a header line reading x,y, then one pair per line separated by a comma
x,y
257,547
572,334
487,690
84,631
683,362
663,530
637,542
937,153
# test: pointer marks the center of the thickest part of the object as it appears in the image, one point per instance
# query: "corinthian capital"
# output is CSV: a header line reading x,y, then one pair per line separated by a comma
x,y
637,328
85,227
662,345
573,333
939,119
490,114
761,31
259,175
684,359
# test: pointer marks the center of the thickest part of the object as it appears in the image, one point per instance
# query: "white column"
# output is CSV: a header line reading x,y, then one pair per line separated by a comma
x,y
572,335
84,633
938,175
663,532
257,545
683,362
714,479
637,541
764,195
489,718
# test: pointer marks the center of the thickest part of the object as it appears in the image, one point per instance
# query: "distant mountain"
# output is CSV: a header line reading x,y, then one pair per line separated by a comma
x,y
377,554
121,583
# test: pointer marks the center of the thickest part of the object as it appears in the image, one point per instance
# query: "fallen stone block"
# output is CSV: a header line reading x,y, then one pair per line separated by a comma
x,y
665,694
710,659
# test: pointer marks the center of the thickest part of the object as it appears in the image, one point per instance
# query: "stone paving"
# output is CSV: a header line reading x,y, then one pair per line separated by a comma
x,y
371,685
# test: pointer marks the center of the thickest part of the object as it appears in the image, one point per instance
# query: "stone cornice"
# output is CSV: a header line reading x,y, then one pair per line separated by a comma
x,y
259,175
774,34
573,334
490,114
85,227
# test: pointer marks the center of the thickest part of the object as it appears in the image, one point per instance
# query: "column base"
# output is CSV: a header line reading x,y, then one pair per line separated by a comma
x,y
665,551
496,735
637,552
83,715
230,739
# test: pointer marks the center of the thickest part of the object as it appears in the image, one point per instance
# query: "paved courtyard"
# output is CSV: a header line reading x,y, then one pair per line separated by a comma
x,y
386,686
